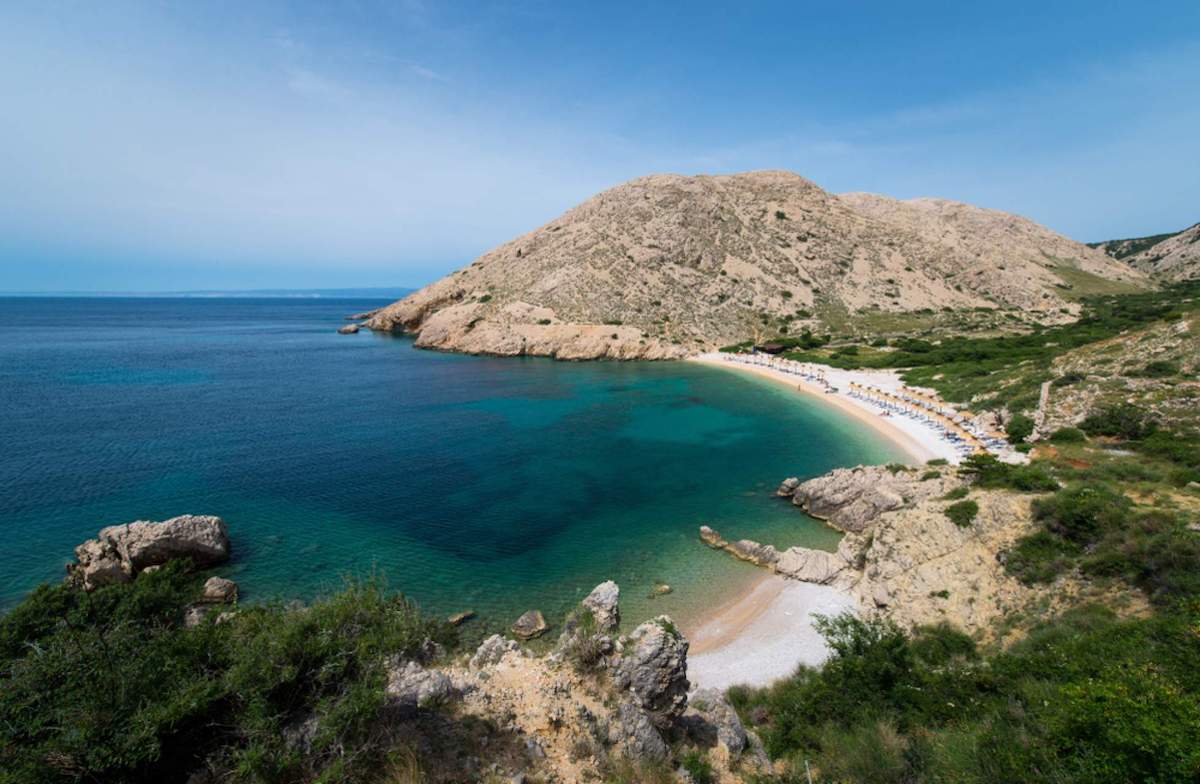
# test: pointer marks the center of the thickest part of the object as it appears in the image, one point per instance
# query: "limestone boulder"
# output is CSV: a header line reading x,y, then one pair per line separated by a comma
x,y
411,687
219,590
121,552
810,566
530,625
652,668
491,651
603,604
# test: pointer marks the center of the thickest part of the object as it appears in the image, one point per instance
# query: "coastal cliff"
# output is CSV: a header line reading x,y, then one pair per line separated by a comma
x,y
666,266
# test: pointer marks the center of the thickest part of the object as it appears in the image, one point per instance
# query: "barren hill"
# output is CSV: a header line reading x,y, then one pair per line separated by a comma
x,y
667,265
1175,258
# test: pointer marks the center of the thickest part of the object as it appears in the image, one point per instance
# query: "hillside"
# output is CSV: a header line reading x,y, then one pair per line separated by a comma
x,y
1175,258
668,265
1123,249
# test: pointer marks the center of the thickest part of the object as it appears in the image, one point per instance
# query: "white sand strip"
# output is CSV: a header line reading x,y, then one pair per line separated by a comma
x,y
919,441
763,635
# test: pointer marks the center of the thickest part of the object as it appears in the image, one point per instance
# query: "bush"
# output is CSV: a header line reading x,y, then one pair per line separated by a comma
x,y
1019,428
957,493
698,767
109,686
1040,557
1159,369
1124,420
1068,435
1067,379
925,477
1083,512
962,513
988,472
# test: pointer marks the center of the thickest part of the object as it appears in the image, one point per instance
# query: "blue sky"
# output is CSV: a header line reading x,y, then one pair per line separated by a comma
x,y
152,146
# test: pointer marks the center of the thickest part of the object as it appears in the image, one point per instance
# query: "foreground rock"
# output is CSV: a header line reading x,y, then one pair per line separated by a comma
x,y
652,668
602,602
530,625
850,499
219,590
411,687
121,552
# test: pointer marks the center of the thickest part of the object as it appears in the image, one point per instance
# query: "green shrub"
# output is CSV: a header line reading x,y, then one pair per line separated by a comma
x,y
109,685
780,215
698,767
486,298
937,461
925,477
1083,512
1019,428
1124,420
1159,369
988,472
1040,557
1068,435
1176,447
962,513
957,493
1067,379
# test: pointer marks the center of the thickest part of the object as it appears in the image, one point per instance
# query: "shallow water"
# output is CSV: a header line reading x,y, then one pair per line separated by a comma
x,y
491,484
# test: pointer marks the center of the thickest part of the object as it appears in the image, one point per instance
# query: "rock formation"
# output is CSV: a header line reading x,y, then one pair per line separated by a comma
x,y
602,602
1175,258
652,668
664,266
120,552
850,499
531,624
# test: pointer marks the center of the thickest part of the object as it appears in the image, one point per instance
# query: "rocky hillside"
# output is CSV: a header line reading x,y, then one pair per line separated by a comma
x,y
1123,249
1173,259
667,265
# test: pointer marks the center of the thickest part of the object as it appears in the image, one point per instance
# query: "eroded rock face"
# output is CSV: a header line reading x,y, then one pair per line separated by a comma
x,y
714,722
635,735
603,604
491,651
653,669
850,499
120,552
411,687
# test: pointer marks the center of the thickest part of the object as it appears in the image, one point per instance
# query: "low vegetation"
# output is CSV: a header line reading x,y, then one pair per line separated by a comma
x,y
110,686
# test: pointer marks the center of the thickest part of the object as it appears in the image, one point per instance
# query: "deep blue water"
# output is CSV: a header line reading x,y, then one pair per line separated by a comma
x,y
494,484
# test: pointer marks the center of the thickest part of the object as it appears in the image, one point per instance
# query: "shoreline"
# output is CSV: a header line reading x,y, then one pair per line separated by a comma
x,y
763,634
917,443
765,630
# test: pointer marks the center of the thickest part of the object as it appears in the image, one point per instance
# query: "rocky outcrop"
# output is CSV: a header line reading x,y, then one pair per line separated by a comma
x,y
665,266
219,590
602,602
349,329
652,668
120,552
491,651
530,625
798,563
1174,258
850,499
411,687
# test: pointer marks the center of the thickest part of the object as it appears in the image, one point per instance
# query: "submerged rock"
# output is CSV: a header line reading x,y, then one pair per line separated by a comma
x,y
120,552
531,624
459,618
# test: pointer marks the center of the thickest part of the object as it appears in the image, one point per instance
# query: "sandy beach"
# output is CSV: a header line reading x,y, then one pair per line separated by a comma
x,y
763,634
766,631
918,441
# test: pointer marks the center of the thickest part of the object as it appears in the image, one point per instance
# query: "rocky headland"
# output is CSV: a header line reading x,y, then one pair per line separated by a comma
x,y
667,266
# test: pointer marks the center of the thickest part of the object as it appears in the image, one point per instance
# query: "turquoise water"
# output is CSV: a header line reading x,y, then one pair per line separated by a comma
x,y
491,484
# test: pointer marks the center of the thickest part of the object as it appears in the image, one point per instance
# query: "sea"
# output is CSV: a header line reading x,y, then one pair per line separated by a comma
x,y
495,485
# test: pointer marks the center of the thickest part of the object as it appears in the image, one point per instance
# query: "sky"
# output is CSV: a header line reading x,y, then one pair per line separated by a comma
x,y
207,145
